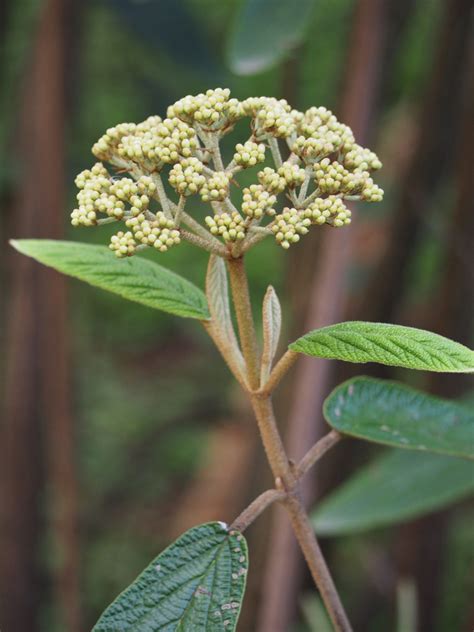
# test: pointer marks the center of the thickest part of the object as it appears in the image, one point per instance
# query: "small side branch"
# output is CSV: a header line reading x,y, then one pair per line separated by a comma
x,y
256,507
279,371
317,451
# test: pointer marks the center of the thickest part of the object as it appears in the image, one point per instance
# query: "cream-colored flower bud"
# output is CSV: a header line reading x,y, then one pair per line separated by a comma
x,y
249,154
271,181
293,174
362,159
215,188
371,192
330,210
230,226
288,227
123,244
186,176
257,202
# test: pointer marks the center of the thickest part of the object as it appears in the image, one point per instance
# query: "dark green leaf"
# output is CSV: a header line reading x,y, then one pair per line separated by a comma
x,y
134,278
398,486
265,31
387,344
394,414
197,584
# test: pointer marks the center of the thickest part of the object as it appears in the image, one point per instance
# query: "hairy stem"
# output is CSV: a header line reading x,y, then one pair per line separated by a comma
x,y
205,244
278,372
243,311
285,475
317,564
252,512
317,451
275,149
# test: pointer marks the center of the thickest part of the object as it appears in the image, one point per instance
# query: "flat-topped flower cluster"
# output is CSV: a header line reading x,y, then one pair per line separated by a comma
x,y
309,164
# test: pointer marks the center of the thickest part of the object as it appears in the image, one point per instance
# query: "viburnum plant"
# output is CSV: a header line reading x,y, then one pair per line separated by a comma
x,y
198,582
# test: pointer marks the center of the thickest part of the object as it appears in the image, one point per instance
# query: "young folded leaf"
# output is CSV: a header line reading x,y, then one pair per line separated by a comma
x,y
217,292
399,485
133,278
271,317
393,345
394,414
196,584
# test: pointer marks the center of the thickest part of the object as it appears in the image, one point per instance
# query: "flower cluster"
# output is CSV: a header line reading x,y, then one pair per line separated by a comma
x,y
231,226
316,165
249,154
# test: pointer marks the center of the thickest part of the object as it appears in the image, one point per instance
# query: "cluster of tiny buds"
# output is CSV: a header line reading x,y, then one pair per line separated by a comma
x,y
215,188
292,174
230,226
288,227
249,154
292,223
99,193
214,110
271,180
321,166
257,202
330,210
157,230
271,116
186,176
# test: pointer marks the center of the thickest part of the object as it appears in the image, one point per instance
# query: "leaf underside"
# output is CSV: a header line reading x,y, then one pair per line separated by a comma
x,y
393,345
398,486
195,585
391,413
133,278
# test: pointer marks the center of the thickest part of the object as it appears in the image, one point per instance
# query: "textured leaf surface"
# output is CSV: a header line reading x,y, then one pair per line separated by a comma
x,y
196,585
394,414
217,292
134,278
264,32
398,486
387,344
271,317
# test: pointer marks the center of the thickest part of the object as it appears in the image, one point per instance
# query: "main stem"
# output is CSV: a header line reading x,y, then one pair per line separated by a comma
x,y
285,478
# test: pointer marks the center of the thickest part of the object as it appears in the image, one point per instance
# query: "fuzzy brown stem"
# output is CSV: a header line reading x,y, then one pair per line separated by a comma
x,y
317,451
243,311
285,476
252,512
279,371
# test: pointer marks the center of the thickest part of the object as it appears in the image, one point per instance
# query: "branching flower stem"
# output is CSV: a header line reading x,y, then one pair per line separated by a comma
x,y
286,479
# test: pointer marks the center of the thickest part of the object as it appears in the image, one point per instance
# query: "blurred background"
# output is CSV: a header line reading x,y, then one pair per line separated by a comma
x,y
120,427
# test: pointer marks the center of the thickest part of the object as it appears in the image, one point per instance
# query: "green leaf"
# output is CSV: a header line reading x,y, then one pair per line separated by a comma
x,y
134,278
394,414
264,32
387,344
271,319
398,486
197,584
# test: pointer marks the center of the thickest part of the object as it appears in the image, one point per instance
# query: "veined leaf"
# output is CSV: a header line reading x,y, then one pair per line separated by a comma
x,y
399,485
134,278
271,317
197,584
217,292
394,414
387,344
264,32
